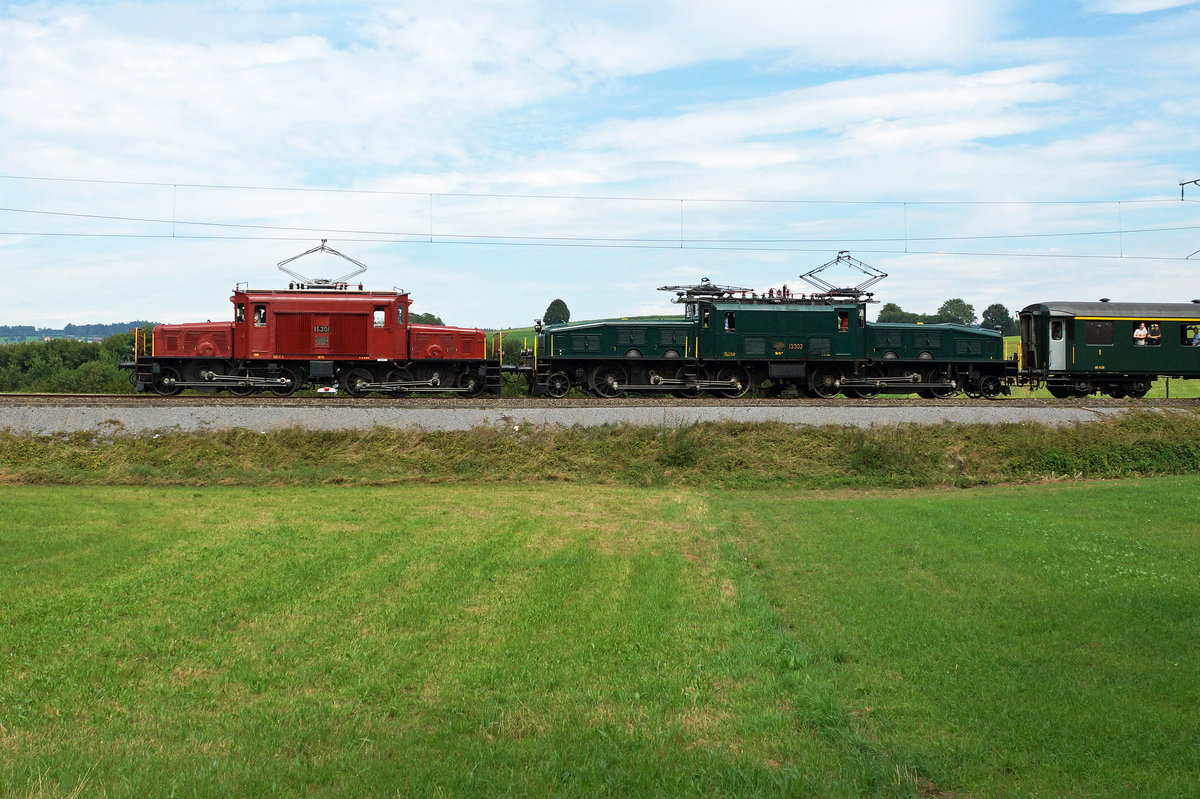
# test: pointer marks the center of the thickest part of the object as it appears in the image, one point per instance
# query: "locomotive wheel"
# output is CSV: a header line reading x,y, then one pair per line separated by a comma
x,y
682,373
398,376
989,387
241,391
870,373
824,381
739,373
606,377
166,383
355,378
471,383
558,384
287,373
942,392
197,368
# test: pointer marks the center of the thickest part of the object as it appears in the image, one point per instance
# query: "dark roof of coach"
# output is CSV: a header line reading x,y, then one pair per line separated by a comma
x,y
1143,310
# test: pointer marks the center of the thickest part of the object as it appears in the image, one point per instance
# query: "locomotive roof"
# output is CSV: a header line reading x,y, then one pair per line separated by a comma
x,y
791,304
669,320
1139,310
322,291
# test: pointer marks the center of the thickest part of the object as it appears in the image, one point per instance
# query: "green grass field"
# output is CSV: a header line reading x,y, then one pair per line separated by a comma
x,y
585,639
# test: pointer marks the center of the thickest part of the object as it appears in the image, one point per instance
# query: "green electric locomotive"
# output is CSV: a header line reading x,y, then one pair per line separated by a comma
x,y
731,340
1118,348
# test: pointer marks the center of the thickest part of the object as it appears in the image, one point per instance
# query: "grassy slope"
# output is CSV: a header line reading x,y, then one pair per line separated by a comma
x,y
600,640
714,455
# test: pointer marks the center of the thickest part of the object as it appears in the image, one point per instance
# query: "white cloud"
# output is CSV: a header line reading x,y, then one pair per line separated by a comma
x,y
767,100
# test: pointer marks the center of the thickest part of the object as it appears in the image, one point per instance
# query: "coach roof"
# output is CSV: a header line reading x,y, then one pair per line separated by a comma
x,y
1138,310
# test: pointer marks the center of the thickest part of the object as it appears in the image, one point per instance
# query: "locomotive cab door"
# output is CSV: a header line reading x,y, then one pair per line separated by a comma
x,y
1058,344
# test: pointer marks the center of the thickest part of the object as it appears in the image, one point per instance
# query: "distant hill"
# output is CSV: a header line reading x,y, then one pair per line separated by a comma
x,y
15,334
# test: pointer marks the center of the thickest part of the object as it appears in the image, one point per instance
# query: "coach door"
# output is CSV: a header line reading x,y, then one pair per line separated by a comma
x,y
1058,344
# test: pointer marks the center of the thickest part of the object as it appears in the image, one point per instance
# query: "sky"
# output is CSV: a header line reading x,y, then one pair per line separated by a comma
x,y
490,156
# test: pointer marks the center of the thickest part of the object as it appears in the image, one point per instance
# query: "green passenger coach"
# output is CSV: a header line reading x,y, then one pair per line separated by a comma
x,y
1117,348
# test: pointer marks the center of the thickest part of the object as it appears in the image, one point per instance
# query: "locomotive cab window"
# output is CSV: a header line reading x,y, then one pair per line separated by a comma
x,y
1098,334
260,315
1056,330
843,321
380,311
730,321
704,320
400,314
239,312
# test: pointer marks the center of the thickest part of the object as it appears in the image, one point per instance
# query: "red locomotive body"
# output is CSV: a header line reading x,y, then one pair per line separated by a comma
x,y
323,335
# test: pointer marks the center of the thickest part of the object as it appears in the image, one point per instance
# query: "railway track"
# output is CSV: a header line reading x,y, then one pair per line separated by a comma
x,y
500,403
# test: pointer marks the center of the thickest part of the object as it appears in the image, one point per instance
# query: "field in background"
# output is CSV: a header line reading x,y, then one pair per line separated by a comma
x,y
600,640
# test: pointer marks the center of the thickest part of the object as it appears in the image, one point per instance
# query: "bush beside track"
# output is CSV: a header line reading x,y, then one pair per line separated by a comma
x,y
718,455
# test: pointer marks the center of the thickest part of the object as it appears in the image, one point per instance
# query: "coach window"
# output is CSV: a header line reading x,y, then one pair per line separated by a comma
x,y
239,312
1189,335
1098,334
379,315
260,316
1056,330
730,322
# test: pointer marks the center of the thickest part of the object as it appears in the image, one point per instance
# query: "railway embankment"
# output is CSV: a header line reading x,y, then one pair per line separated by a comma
x,y
761,455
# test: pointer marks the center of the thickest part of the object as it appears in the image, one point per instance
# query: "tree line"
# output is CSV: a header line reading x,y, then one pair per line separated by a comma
x,y
67,366
957,311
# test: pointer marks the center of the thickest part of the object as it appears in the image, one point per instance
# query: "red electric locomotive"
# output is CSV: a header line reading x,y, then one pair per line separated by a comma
x,y
319,333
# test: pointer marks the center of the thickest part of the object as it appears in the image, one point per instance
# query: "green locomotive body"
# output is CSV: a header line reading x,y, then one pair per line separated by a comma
x,y
821,345
1118,348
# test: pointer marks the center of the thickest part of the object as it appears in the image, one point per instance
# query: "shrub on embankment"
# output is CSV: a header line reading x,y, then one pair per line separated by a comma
x,y
718,455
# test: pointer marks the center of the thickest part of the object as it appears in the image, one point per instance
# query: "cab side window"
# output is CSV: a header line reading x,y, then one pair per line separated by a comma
x,y
239,312
260,315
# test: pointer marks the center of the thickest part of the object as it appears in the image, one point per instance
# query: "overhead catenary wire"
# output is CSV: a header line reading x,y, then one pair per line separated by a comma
x,y
682,241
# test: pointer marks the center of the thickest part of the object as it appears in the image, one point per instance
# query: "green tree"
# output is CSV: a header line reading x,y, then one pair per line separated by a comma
x,y
891,312
425,319
996,315
956,310
557,313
